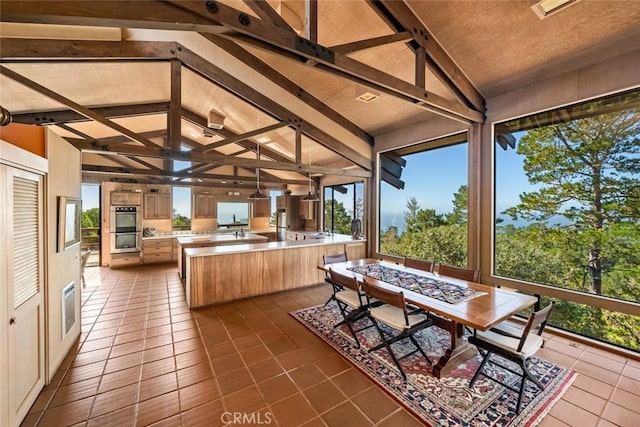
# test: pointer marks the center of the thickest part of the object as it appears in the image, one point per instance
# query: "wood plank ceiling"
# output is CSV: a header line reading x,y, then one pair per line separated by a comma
x,y
131,83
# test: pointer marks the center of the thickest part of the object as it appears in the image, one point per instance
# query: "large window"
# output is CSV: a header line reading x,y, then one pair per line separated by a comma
x,y
342,204
181,218
233,215
427,219
567,209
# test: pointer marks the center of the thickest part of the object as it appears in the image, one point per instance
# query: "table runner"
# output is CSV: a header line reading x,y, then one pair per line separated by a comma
x,y
433,288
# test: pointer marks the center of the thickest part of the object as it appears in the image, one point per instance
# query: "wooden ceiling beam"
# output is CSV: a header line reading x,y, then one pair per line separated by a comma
x,y
311,20
201,122
275,38
345,48
70,116
290,86
27,50
266,12
73,105
255,97
132,14
421,34
187,156
126,171
208,147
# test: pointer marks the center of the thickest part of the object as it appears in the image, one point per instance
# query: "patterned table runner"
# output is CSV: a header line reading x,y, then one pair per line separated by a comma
x,y
443,291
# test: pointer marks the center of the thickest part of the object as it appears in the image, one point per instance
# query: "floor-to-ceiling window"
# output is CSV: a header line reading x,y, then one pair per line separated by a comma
x,y
567,211
423,209
342,205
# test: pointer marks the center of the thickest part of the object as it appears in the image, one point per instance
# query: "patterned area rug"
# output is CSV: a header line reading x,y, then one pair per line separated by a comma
x,y
440,402
438,289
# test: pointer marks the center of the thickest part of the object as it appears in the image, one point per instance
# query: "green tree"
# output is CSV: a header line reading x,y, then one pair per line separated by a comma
x,y
335,210
585,172
412,211
460,207
91,218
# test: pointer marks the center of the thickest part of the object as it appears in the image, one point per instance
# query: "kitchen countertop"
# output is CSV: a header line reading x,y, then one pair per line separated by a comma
x,y
218,238
178,235
256,247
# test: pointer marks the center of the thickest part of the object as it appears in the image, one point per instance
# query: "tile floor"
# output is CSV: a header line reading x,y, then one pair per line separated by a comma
x,y
144,359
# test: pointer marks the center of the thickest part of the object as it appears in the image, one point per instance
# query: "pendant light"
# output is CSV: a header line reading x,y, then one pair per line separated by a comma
x,y
310,197
258,195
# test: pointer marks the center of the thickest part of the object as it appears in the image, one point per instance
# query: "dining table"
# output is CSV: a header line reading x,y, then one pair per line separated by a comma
x,y
451,302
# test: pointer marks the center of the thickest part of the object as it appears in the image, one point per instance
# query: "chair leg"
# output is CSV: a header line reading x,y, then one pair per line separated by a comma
x,y
413,340
522,384
529,375
347,321
385,343
355,338
329,300
484,362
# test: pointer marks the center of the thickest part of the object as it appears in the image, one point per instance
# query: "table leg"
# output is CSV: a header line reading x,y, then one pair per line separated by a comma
x,y
459,350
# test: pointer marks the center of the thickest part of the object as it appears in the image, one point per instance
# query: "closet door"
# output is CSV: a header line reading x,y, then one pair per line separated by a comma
x,y
25,297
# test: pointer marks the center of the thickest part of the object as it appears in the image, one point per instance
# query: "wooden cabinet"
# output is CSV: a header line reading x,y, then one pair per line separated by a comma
x,y
205,206
157,206
261,208
125,260
157,250
126,198
306,210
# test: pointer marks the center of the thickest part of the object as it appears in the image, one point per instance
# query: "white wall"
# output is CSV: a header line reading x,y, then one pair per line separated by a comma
x,y
64,179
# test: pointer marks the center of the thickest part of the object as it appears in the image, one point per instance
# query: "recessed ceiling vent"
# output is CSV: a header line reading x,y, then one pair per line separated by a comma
x,y
366,95
544,8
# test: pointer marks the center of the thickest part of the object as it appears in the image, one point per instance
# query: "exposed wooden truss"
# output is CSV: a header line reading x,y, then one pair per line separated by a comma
x,y
97,49
218,18
213,159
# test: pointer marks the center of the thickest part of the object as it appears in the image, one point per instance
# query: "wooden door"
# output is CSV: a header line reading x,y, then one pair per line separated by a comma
x,y
23,209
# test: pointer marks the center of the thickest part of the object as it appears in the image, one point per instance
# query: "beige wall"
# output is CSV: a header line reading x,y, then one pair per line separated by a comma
x,y
64,179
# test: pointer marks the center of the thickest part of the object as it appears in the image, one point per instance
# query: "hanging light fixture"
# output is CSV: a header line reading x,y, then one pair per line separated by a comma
x,y
258,195
310,197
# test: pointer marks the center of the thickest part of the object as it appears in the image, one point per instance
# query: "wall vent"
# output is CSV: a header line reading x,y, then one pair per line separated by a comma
x,y
68,308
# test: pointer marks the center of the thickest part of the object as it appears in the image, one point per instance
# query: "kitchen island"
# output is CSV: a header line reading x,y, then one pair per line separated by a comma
x,y
225,273
210,240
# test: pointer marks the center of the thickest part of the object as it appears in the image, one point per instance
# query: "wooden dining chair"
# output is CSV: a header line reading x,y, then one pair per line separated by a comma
x,y
350,297
418,264
332,259
458,273
516,348
395,315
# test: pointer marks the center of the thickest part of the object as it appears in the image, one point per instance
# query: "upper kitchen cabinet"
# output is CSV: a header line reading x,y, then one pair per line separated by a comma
x,y
157,206
306,210
261,208
126,198
205,206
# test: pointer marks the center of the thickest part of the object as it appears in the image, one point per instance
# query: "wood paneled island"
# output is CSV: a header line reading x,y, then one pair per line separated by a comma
x,y
226,273
209,240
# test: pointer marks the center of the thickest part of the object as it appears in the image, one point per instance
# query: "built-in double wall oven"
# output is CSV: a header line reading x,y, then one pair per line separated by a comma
x,y
126,224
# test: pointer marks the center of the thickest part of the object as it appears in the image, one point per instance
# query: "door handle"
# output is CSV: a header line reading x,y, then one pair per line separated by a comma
x,y
12,321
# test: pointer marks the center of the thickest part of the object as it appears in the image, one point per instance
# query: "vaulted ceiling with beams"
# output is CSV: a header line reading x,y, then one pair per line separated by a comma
x,y
132,84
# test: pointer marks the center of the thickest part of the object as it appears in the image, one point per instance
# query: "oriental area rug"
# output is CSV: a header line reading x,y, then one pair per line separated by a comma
x,y
447,401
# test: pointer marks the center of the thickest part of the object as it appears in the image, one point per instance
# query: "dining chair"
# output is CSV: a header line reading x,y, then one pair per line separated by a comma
x,y
83,262
458,273
332,259
394,314
349,297
516,348
418,264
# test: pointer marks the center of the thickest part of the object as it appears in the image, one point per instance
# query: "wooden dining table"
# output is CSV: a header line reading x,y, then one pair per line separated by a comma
x,y
481,312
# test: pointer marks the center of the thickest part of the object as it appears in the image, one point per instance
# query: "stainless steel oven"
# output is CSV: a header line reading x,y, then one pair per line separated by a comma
x,y
126,229
125,242
125,219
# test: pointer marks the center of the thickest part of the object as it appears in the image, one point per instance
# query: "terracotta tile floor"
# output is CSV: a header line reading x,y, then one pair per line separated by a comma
x,y
144,359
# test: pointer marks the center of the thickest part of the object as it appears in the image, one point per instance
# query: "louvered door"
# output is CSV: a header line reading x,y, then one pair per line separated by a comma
x,y
25,302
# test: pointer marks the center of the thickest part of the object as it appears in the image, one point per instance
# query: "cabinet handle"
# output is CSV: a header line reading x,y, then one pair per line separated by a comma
x,y
12,321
